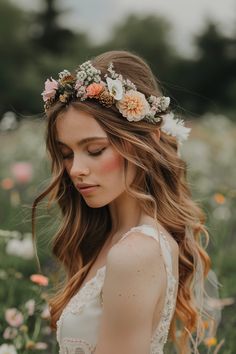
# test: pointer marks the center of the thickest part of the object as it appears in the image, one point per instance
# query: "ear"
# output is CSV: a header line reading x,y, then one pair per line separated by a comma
x,y
156,135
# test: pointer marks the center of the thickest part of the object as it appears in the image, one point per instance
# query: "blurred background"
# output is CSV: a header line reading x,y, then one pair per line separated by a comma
x,y
191,47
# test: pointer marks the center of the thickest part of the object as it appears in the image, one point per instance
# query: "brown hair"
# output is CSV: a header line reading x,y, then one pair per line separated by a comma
x,y
160,187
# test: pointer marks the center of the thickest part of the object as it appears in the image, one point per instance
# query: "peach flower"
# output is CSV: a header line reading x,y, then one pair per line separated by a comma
x,y
133,106
14,317
7,183
93,90
39,279
50,89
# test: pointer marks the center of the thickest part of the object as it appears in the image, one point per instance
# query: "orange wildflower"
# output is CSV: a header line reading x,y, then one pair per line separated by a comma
x,y
39,279
94,90
210,341
7,183
219,198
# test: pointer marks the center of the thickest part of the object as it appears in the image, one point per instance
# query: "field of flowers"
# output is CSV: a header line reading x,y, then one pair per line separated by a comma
x,y
24,317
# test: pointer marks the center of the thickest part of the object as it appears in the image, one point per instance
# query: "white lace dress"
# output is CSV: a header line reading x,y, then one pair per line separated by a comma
x,y
78,325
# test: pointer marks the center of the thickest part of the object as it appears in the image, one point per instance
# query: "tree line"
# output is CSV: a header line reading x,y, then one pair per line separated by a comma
x,y
34,46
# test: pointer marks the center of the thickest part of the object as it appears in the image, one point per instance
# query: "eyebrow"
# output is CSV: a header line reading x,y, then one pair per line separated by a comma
x,y
84,141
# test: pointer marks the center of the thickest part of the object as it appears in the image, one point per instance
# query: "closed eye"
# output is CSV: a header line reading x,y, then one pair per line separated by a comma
x,y
95,153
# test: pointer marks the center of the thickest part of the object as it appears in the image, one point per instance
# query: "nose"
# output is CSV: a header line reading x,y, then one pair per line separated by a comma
x,y
78,168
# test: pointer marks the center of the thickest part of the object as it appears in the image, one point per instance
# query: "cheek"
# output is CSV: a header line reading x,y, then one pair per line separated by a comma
x,y
111,164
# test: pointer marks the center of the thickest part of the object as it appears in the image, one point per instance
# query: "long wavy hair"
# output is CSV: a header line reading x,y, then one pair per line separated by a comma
x,y
160,187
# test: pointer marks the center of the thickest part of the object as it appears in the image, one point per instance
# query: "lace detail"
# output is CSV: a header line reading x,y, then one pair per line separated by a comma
x,y
160,335
76,304
93,289
76,346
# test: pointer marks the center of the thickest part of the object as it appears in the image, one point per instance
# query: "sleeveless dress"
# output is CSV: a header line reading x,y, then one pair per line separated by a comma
x,y
78,325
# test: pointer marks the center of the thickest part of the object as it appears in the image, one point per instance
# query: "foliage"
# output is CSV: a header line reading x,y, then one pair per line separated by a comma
x,y
37,46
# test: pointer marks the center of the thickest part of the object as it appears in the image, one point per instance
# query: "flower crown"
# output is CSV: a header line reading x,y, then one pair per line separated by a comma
x,y
115,90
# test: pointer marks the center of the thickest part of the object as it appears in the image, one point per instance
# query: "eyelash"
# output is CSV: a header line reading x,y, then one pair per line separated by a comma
x,y
97,153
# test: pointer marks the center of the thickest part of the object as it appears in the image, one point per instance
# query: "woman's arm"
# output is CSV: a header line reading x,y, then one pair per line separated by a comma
x,y
135,280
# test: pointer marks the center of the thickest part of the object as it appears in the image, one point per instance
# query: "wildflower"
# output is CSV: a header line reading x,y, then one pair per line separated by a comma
x,y
30,306
63,98
21,248
7,349
115,88
50,89
174,127
40,346
219,198
39,279
30,344
22,171
45,313
14,317
210,341
133,105
93,90
24,328
7,183
10,333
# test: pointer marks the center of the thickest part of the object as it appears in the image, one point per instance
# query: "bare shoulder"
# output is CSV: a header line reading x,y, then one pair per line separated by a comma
x,y
134,280
136,249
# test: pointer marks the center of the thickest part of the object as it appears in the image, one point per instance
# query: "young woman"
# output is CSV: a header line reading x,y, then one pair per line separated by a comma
x,y
130,233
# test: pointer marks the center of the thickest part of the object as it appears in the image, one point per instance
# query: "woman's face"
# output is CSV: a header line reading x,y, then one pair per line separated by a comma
x,y
90,158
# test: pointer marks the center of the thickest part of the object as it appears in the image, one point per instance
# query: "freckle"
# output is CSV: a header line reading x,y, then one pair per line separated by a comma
x,y
133,295
119,295
138,271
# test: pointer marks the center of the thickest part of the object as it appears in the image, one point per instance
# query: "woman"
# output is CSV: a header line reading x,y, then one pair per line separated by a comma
x,y
130,233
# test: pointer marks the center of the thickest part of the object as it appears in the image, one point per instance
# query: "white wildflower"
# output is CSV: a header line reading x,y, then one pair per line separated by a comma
x,y
64,73
115,88
21,248
175,127
30,306
81,75
164,102
7,349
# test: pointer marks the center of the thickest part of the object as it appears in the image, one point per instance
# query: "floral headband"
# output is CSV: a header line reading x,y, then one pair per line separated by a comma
x,y
115,90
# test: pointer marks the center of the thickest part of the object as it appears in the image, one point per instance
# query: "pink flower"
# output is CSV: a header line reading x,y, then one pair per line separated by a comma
x,y
133,106
10,333
50,89
22,171
94,90
39,279
14,317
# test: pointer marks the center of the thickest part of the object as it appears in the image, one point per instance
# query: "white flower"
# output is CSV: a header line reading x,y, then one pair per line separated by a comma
x,y
159,104
30,306
174,127
115,88
63,74
23,249
7,349
81,75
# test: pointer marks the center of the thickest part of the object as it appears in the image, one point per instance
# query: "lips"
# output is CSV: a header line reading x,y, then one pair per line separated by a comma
x,y
85,186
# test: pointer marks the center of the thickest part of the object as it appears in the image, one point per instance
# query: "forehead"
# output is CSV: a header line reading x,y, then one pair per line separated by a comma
x,y
74,125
